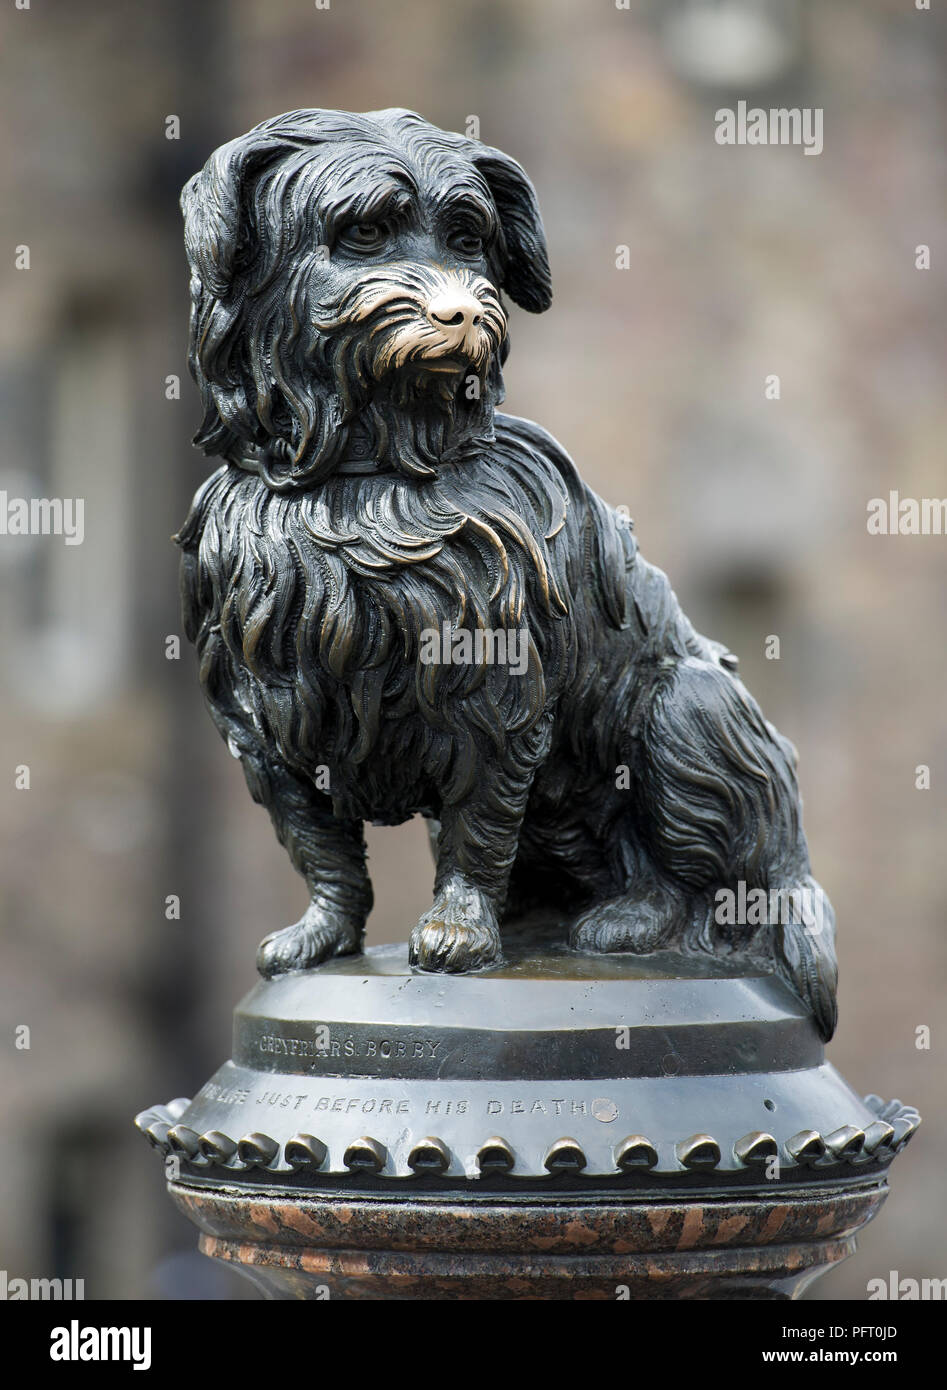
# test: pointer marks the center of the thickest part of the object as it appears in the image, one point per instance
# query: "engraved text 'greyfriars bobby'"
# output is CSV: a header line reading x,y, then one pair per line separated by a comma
x,y
348,332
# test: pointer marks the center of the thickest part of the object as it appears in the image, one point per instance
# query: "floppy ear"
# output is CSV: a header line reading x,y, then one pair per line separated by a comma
x,y
526,277
213,206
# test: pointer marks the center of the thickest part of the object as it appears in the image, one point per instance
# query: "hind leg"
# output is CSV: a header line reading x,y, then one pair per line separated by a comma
x,y
579,855
649,913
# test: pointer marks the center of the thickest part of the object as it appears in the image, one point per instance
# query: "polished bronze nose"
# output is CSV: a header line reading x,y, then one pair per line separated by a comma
x,y
455,309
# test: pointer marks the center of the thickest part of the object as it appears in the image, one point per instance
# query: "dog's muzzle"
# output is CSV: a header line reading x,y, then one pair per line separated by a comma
x,y
403,314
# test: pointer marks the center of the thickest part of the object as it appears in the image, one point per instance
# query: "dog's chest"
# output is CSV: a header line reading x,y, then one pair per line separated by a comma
x,y
406,679
389,631
395,583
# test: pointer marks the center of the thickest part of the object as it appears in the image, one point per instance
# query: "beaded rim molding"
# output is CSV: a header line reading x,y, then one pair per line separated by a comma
x,y
366,1156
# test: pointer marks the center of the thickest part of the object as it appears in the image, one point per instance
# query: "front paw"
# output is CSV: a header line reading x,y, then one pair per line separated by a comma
x,y
318,935
459,933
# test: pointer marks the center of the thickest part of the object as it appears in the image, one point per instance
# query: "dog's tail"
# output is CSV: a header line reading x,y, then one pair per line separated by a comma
x,y
804,951
719,797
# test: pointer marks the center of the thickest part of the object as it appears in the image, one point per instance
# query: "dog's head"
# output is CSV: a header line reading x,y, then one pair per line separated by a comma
x,y
346,273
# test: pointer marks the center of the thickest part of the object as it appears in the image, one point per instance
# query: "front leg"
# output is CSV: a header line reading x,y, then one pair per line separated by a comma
x,y
475,851
330,855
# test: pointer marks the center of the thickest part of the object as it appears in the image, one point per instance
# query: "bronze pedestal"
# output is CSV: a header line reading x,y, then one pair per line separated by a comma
x,y
634,1127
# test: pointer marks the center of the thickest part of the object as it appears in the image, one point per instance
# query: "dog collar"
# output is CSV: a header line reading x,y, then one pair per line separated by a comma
x,y
251,461
360,466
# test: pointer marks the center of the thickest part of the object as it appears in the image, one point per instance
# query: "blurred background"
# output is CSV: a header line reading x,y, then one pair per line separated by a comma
x,y
742,262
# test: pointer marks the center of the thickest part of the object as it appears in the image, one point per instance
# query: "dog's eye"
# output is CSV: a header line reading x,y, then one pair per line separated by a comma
x,y
363,236
467,243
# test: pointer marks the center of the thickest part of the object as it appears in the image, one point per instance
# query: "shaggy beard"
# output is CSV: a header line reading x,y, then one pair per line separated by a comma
x,y
380,387
412,419
404,381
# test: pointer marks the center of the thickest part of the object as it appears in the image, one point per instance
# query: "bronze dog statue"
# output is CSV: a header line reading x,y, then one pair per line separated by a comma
x,y
405,602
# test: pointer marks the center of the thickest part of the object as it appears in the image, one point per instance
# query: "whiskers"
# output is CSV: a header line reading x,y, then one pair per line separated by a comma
x,y
389,306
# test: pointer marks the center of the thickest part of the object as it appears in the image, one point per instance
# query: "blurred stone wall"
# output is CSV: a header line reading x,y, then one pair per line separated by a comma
x,y
742,263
